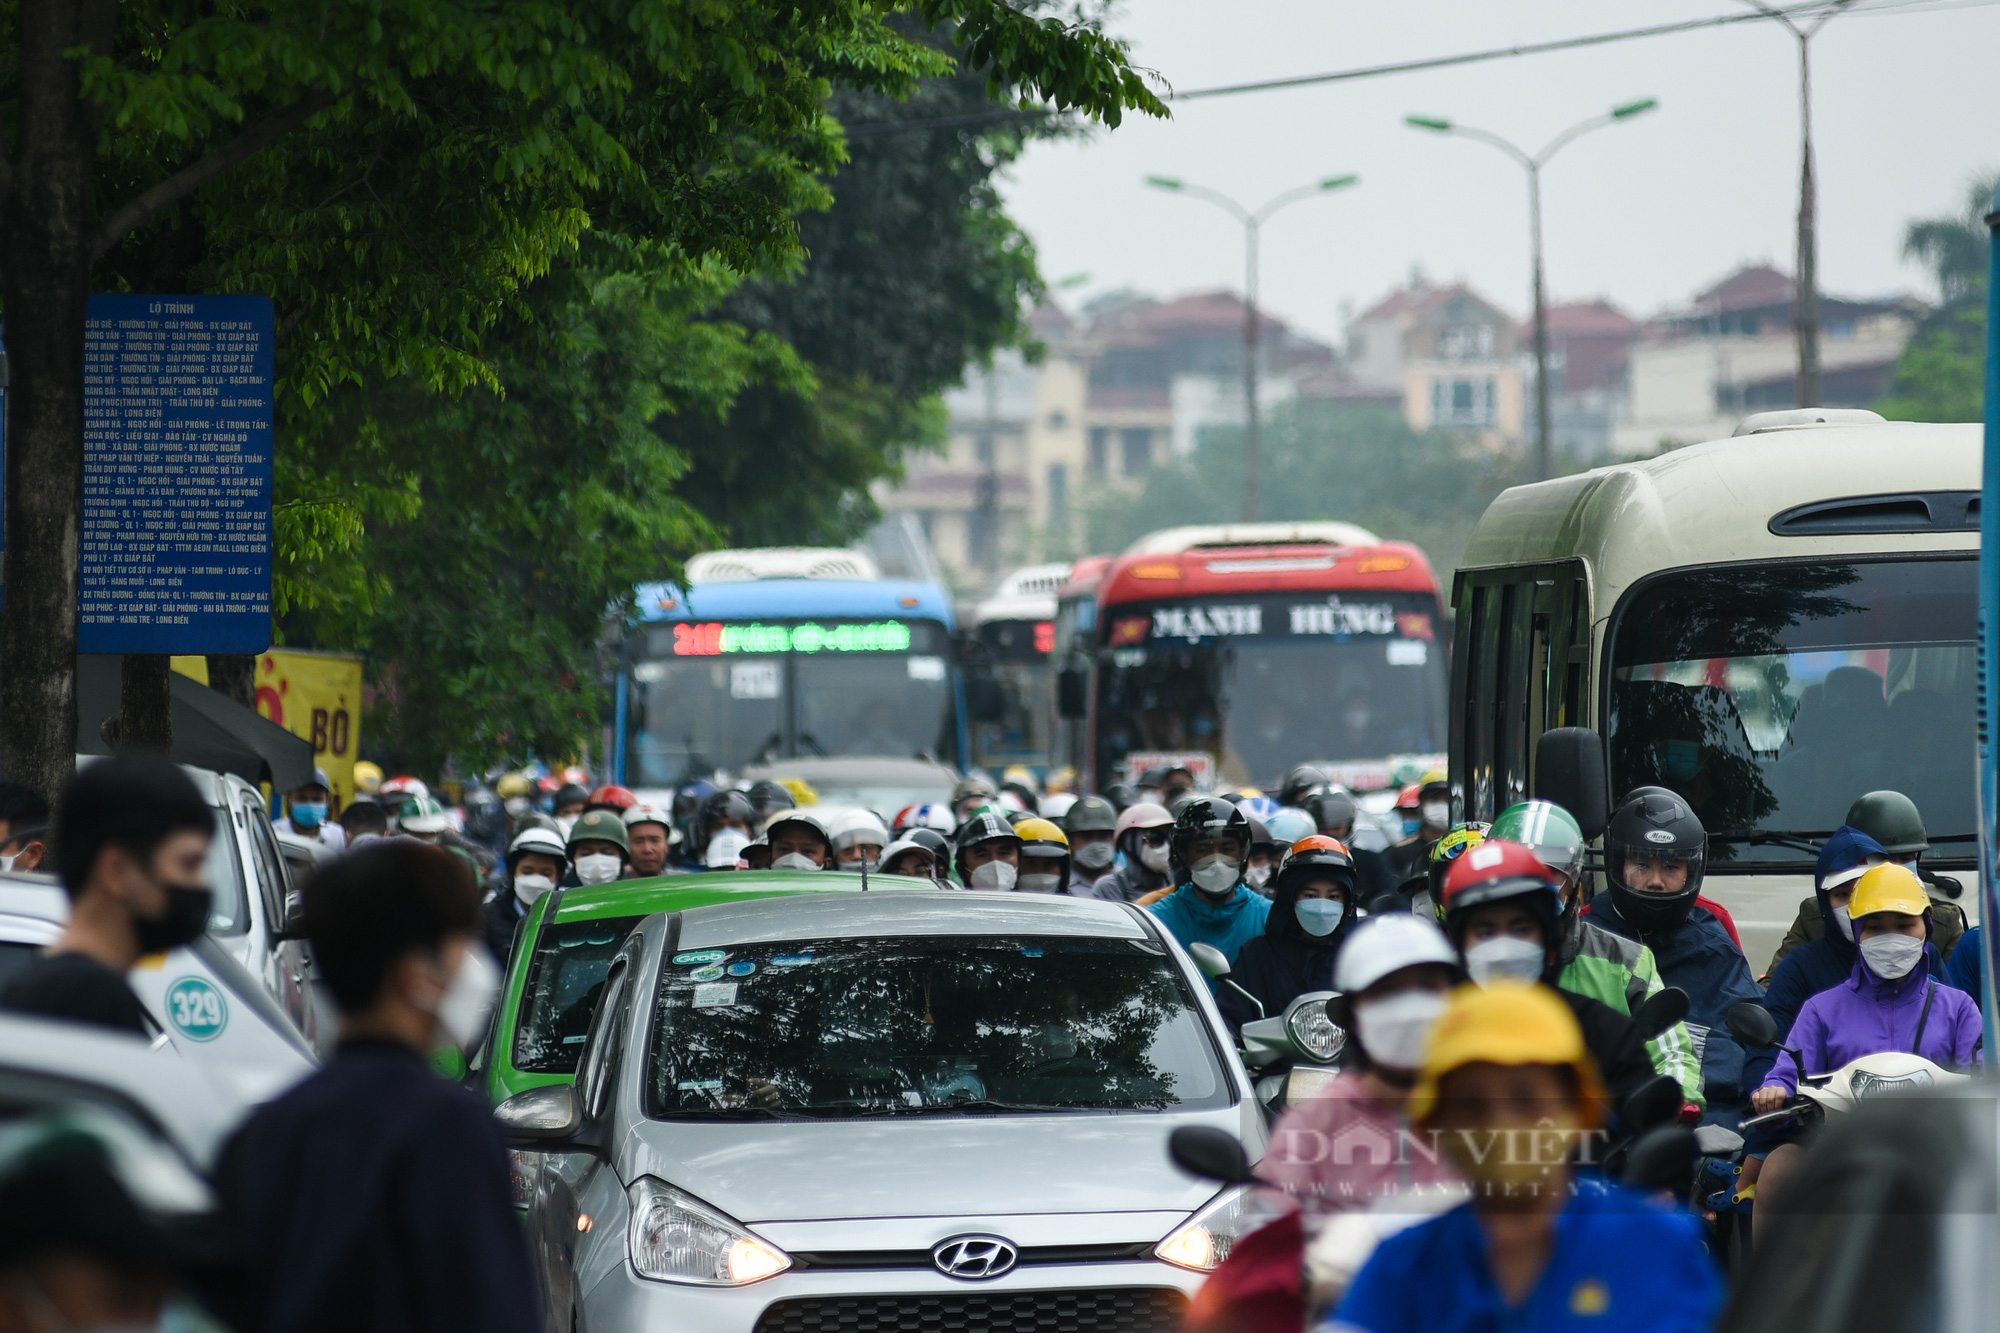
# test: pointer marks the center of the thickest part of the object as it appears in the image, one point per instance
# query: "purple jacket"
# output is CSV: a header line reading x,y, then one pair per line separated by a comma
x,y
1865,1015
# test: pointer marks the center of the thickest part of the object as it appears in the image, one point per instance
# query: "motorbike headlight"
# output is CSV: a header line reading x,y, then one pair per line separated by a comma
x,y
675,1237
1314,1031
1204,1240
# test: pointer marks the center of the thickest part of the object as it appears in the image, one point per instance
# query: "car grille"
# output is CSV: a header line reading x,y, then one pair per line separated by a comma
x,y
1113,1310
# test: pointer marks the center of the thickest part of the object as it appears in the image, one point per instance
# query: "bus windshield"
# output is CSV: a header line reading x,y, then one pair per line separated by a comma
x,y
1771,697
1269,681
704,699
1017,655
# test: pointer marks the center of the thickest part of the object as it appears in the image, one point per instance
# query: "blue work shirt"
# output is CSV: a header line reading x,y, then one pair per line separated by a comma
x,y
1191,916
1620,1263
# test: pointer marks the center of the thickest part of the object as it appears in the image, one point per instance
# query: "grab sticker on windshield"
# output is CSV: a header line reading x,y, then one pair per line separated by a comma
x,y
715,995
700,1085
701,956
790,959
742,968
1031,951
713,972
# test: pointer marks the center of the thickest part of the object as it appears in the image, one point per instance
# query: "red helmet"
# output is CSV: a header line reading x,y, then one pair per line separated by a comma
x,y
611,796
1410,797
1497,869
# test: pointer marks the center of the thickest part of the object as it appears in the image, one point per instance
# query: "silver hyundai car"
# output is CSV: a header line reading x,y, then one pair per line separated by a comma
x,y
904,1110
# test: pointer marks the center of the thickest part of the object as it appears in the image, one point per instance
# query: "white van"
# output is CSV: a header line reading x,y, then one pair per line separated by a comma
x,y
1771,625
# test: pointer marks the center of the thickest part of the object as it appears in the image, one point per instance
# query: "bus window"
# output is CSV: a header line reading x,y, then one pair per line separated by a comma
x,y
1524,636
1770,697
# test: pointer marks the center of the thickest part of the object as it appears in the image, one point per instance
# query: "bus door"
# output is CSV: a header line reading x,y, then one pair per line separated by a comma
x,y
1520,665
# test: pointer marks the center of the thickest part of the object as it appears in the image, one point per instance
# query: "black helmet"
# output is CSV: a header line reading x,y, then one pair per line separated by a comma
x,y
1261,839
983,826
1317,857
570,794
1300,783
1653,824
1202,817
931,838
1121,795
723,805
1090,814
1332,811
769,795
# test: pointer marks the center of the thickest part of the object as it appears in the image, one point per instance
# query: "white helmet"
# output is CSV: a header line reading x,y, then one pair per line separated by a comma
x,y
1379,945
1057,805
856,826
651,814
544,840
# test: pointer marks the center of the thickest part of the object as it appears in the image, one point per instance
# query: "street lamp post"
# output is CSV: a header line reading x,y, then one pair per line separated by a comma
x,y
1544,448
1252,459
1805,299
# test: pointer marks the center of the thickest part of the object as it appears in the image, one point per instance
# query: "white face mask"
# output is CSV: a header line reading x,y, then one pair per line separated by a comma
x,y
1435,813
599,867
1504,959
794,861
1257,877
463,1009
1215,874
1038,883
1095,855
1892,956
1153,858
1394,1030
530,888
1845,922
993,875
515,806
7,861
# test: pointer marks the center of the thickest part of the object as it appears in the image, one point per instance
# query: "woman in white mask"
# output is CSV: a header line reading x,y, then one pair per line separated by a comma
x,y
987,852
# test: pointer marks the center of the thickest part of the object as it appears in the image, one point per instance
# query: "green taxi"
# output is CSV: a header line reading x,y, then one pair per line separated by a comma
x,y
565,946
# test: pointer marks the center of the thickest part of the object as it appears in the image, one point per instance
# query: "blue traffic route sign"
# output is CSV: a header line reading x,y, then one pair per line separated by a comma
x,y
177,443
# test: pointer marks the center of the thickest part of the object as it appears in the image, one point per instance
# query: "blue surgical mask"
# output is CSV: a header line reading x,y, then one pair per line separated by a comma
x,y
1679,760
308,814
1319,916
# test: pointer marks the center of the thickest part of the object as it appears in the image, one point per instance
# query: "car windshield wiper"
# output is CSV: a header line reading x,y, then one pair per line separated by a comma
x,y
969,1105
738,1113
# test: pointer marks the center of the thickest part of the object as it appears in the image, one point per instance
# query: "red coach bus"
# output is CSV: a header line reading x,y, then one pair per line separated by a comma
x,y
1260,646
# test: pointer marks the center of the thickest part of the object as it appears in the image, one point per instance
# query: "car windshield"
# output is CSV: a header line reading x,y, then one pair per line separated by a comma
x,y
928,1025
560,992
1320,680
1771,697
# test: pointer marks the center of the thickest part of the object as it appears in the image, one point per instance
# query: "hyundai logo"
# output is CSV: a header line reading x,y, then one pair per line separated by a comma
x,y
975,1257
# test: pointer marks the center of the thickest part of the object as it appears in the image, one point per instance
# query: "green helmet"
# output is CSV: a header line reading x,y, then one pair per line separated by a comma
x,y
600,826
1891,819
1546,829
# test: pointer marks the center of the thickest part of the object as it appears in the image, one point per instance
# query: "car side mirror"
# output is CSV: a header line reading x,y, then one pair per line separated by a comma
x,y
983,698
293,927
1569,770
542,1119
1211,960
1073,691
1751,1024
1660,1011
1211,1153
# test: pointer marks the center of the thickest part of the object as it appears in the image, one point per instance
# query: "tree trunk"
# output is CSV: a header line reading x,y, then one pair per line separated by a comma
x,y
234,674
47,286
145,702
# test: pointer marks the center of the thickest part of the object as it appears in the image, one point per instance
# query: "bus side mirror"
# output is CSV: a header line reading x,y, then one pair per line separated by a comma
x,y
1569,770
1073,691
983,699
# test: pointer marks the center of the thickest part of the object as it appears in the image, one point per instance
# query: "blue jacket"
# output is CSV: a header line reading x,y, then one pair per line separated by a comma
x,y
1963,969
1825,962
1619,1262
1699,957
1191,915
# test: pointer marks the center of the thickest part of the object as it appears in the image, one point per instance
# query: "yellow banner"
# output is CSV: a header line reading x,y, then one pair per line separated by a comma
x,y
313,695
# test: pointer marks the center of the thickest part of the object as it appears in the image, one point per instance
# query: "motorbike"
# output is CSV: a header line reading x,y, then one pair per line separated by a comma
x,y
1290,1056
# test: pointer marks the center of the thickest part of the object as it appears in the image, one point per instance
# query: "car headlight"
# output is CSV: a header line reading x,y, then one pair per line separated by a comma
x,y
1204,1240
1314,1032
675,1237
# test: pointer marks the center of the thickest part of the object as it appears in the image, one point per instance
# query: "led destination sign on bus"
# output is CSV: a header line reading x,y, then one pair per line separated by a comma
x,y
714,638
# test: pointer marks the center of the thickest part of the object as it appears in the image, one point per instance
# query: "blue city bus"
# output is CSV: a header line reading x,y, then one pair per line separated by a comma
x,y
787,653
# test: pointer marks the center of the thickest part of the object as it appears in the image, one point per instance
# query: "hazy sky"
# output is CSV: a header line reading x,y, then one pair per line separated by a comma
x,y
1645,212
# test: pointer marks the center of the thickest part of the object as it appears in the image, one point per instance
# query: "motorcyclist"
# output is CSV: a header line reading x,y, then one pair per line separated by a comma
x,y
1890,1002
987,852
1312,907
768,796
858,840
906,856
570,798
1122,795
1045,857
1427,891
1265,854
650,833
723,810
610,796
970,794
1090,825
1892,820
929,814
1289,824
689,798
940,849
1210,847
756,854
1175,781
1334,811
1020,780
1301,782
726,850
517,798
799,841
1407,857
599,851
1591,960
1142,834
423,818
536,862
306,811
1503,913
1655,850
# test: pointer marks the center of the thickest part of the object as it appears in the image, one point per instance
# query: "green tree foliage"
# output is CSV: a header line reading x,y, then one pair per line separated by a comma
x,y
1941,374
1325,461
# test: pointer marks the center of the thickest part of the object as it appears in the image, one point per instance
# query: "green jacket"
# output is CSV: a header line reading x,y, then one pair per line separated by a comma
x,y
1621,973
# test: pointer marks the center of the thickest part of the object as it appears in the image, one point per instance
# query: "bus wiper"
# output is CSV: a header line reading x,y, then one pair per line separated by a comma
x,y
770,745
1801,842
806,738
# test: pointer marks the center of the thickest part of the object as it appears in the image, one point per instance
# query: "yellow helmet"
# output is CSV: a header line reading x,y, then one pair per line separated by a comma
x,y
512,785
1888,888
1061,779
1041,837
367,776
1506,1023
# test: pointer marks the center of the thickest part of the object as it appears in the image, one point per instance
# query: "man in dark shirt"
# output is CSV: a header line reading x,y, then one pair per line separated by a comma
x,y
131,849
375,1194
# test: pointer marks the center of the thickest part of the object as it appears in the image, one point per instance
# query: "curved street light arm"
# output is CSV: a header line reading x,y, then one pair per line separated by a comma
x,y
1220,200
1575,131
1288,197
1467,131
